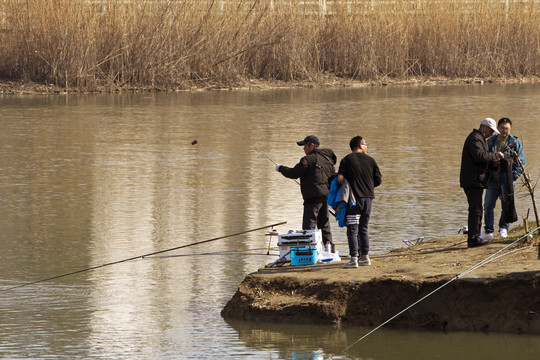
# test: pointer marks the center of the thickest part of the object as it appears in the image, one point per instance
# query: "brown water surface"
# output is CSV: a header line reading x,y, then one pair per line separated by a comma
x,y
87,180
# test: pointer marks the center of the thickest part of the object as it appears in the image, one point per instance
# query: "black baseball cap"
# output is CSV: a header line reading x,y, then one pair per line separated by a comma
x,y
309,139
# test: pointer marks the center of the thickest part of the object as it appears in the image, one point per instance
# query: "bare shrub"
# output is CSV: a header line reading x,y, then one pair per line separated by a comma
x,y
174,44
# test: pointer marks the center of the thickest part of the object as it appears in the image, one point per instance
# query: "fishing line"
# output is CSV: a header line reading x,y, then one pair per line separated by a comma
x,y
226,252
141,256
220,253
256,148
502,255
481,263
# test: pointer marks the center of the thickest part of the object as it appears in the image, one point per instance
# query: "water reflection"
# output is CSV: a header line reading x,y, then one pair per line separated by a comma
x,y
87,180
288,341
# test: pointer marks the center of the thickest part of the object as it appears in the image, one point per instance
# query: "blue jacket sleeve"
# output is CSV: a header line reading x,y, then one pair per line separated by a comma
x,y
333,194
340,214
517,170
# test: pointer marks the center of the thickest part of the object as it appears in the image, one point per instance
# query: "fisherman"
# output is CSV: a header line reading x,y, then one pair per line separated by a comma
x,y
497,187
363,175
475,159
314,170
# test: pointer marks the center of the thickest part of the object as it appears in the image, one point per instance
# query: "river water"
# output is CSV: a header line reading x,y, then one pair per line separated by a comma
x,y
88,180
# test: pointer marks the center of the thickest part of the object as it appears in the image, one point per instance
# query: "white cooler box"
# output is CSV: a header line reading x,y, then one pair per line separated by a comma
x,y
300,238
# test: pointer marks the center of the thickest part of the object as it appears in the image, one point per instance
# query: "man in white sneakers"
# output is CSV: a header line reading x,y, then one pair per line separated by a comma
x,y
363,175
497,186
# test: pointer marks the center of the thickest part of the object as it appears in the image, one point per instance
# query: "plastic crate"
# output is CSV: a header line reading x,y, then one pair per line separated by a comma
x,y
297,239
304,256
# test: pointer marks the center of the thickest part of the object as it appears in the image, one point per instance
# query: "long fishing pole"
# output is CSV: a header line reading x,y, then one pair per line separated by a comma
x,y
268,157
256,148
481,263
526,180
141,256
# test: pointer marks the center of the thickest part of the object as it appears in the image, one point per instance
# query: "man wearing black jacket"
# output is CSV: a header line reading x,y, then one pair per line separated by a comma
x,y
473,177
363,175
314,169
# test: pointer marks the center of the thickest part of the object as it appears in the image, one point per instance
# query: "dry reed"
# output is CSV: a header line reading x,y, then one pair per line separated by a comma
x,y
173,44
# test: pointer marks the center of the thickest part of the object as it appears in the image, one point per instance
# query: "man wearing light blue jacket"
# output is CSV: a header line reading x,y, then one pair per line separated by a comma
x,y
497,187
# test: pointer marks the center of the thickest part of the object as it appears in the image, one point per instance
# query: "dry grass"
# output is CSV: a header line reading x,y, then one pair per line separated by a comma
x,y
87,45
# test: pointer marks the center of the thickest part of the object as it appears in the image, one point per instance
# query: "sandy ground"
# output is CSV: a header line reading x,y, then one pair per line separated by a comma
x,y
502,295
438,258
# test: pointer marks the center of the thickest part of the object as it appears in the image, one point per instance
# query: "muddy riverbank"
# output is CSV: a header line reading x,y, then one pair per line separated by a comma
x,y
19,87
500,296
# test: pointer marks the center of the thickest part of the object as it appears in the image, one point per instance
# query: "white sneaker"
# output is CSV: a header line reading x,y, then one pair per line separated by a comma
x,y
485,236
503,233
353,263
364,260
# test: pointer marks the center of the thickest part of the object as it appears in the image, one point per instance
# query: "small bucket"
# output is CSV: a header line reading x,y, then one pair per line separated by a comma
x,y
304,256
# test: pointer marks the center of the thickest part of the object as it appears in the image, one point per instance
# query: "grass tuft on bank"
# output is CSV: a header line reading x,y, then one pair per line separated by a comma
x,y
167,44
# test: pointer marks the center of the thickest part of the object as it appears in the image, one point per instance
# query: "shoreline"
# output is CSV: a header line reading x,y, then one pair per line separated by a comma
x,y
500,296
20,87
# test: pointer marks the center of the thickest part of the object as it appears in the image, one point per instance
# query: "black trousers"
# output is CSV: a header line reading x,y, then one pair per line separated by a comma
x,y
357,226
474,198
316,217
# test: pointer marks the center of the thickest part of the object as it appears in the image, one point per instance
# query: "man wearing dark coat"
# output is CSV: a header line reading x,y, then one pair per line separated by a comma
x,y
363,175
314,169
473,177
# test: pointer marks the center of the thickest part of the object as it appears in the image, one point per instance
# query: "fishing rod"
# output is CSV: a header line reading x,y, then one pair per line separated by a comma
x,y
256,148
478,265
141,256
268,157
526,179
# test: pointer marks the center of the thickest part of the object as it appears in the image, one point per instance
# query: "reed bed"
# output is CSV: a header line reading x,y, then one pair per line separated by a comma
x,y
181,44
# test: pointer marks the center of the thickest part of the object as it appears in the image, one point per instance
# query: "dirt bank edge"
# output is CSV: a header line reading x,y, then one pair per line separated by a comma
x,y
497,299
506,304
21,87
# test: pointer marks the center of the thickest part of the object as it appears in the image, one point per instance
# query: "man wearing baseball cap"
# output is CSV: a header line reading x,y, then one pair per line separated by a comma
x,y
473,176
314,169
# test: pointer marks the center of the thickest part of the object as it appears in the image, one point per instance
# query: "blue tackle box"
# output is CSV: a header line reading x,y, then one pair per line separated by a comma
x,y
304,256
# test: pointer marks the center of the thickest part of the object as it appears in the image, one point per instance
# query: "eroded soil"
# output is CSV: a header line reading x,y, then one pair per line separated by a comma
x,y
502,295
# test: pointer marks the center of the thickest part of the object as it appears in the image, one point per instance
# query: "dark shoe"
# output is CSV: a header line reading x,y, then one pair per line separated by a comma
x,y
477,242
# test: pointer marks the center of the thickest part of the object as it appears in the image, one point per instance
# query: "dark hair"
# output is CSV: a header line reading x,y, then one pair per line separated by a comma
x,y
355,142
504,121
